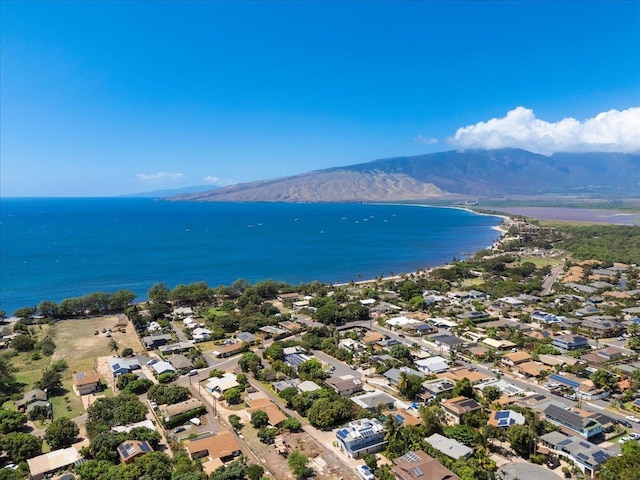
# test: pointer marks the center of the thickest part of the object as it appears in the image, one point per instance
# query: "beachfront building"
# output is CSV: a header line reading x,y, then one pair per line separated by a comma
x,y
362,437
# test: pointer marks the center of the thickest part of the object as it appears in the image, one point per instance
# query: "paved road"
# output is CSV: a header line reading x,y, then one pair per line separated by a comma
x,y
551,279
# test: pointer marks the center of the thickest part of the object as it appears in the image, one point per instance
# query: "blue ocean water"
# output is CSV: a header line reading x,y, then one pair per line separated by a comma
x,y
56,248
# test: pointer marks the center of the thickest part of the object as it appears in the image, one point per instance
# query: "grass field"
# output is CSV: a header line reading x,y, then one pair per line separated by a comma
x,y
540,262
79,347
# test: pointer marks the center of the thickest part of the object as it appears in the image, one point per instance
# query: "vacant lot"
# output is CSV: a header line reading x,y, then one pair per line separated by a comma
x,y
79,347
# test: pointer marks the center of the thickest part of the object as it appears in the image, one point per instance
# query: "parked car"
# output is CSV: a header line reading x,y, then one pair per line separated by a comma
x,y
634,436
365,472
553,463
631,418
625,423
152,361
624,439
192,373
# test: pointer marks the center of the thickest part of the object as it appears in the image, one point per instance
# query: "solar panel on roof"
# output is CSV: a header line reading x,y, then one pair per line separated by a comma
x,y
144,446
582,456
400,418
417,472
502,414
585,445
411,457
343,433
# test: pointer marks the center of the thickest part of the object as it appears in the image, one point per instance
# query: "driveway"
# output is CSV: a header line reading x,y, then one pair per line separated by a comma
x,y
523,470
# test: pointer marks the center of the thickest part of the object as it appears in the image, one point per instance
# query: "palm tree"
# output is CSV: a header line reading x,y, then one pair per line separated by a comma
x,y
392,425
114,346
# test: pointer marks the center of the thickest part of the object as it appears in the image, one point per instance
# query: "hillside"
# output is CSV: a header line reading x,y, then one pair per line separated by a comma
x,y
453,174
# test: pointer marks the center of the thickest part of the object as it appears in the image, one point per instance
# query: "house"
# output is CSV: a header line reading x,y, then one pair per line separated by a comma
x,y
371,400
120,366
289,297
276,416
570,342
48,464
176,347
345,386
404,417
229,350
86,382
371,337
601,326
201,334
515,358
456,408
350,345
181,363
169,412
393,374
420,466
289,382
162,367
129,450
531,369
308,386
499,344
246,337
450,447
218,385
32,397
274,332
432,365
585,455
362,437
290,326
432,388
544,318
218,449
457,374
295,359
583,426
447,342
151,342
505,418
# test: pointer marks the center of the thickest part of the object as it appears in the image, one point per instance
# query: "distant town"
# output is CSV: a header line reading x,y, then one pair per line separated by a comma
x,y
520,361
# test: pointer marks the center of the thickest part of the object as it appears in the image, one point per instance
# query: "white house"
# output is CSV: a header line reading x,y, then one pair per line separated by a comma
x,y
432,365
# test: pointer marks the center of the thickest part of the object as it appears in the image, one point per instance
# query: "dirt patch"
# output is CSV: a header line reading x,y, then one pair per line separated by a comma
x,y
80,347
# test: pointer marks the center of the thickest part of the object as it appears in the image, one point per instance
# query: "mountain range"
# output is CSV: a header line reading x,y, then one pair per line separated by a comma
x,y
448,175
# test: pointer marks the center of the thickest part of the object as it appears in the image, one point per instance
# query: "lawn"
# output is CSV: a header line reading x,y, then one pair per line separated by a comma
x,y
541,262
79,347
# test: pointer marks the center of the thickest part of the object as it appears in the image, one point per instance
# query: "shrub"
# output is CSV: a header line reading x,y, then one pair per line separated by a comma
x,y
127,352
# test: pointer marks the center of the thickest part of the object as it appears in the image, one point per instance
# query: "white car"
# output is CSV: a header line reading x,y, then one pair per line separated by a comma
x,y
634,436
624,439
365,472
631,418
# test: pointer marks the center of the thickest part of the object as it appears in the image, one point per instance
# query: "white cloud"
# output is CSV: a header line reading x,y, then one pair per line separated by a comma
x,y
611,131
425,140
160,177
220,182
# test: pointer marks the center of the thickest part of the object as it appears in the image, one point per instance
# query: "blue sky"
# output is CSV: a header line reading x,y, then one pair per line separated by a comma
x,y
107,98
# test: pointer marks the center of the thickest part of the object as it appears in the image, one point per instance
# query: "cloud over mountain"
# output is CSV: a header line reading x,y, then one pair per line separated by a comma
x,y
160,177
612,131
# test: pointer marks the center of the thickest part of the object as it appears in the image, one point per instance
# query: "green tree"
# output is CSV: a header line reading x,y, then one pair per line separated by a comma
x,y
233,396
250,362
51,381
491,393
288,394
23,343
255,471
275,351
623,467
463,388
603,379
8,383
48,309
259,419
292,424
159,293
522,439
409,385
235,421
298,464
11,421
61,433
21,446
114,345
168,394
267,434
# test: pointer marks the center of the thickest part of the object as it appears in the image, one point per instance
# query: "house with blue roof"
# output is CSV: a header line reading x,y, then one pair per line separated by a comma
x,y
362,437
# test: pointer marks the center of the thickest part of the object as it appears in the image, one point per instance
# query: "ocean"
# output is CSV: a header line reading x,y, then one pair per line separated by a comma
x,y
57,248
